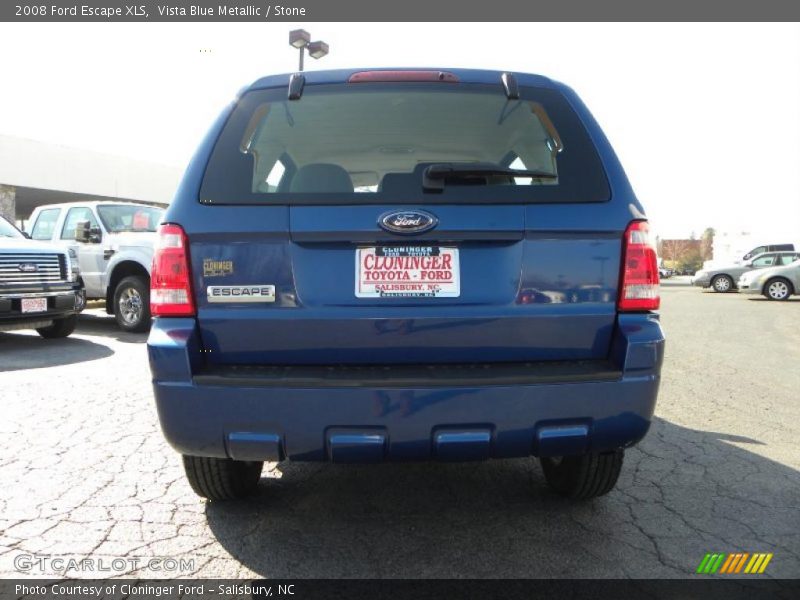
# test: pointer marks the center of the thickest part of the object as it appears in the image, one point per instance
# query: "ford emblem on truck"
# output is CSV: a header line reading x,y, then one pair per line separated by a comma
x,y
28,267
408,221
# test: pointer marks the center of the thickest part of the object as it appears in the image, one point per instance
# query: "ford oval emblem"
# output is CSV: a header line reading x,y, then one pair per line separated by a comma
x,y
28,268
408,221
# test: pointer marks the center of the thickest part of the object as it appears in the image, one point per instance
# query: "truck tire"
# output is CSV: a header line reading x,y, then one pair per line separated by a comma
x,y
583,477
132,304
221,478
60,328
80,300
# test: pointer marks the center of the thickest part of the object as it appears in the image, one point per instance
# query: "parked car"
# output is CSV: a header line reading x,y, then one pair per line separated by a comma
x,y
665,273
338,279
768,248
39,288
775,283
114,244
722,279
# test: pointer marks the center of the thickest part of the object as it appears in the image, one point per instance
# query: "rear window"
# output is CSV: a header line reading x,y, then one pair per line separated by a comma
x,y
372,143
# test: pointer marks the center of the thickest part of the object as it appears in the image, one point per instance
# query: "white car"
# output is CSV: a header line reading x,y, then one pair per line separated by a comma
x,y
114,245
776,283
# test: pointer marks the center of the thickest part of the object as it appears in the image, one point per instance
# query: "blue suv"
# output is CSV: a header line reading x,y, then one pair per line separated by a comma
x,y
405,265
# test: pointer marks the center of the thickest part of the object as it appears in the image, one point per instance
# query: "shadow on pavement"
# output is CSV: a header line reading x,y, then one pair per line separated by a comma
x,y
97,322
18,351
682,493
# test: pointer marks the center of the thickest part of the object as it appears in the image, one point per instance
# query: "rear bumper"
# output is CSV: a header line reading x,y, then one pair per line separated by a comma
x,y
404,416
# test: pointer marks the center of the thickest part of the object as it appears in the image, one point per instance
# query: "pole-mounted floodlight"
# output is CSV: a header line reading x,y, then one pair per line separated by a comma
x,y
301,39
317,49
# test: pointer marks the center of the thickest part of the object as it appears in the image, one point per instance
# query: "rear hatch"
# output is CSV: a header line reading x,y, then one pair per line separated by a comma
x,y
404,221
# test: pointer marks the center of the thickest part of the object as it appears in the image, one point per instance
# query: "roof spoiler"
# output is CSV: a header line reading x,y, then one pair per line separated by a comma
x,y
297,81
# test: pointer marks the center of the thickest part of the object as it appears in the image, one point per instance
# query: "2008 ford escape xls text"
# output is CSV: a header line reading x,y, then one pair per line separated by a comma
x,y
399,266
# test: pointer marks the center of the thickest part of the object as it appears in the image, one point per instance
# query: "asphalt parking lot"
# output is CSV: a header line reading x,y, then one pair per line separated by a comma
x,y
85,473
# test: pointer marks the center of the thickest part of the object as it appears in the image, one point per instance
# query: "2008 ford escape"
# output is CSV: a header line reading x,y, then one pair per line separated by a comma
x,y
405,265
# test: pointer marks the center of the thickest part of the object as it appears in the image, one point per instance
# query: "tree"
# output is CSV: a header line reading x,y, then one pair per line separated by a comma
x,y
707,244
691,260
673,250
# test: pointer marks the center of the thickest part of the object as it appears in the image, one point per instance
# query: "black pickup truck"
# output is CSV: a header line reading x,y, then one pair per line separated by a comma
x,y
38,286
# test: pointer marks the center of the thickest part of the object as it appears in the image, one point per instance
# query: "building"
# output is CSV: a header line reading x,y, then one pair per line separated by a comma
x,y
34,173
731,246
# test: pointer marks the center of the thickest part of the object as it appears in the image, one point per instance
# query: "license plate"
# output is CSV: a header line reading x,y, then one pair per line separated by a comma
x,y
407,272
33,305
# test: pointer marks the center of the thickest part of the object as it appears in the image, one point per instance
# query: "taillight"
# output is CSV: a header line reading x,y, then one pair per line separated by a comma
x,y
170,280
639,287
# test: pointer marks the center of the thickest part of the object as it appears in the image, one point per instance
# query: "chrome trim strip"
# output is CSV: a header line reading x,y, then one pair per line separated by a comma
x,y
36,294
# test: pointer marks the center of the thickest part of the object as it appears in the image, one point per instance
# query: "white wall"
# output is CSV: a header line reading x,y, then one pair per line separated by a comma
x,y
730,246
28,163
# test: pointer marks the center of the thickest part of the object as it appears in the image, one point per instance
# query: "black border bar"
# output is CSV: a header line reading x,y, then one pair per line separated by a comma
x,y
398,10
699,587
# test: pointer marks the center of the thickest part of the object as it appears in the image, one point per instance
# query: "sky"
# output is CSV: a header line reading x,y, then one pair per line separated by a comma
x,y
704,117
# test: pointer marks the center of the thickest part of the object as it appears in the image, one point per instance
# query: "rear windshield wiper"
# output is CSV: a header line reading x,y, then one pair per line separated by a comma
x,y
435,176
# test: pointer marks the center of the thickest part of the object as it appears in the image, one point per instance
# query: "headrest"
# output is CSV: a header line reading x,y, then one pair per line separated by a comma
x,y
321,177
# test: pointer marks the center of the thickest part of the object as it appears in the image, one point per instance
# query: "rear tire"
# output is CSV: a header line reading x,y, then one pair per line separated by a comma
x,y
132,304
583,477
722,284
778,289
221,478
60,328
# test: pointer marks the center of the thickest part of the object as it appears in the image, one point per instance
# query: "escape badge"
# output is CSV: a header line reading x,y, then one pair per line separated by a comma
x,y
241,293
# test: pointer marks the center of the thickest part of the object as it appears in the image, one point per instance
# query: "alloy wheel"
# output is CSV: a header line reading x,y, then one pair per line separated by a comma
x,y
778,290
130,305
722,284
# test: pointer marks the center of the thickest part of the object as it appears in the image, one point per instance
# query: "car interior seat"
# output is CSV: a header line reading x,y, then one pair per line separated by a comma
x,y
321,177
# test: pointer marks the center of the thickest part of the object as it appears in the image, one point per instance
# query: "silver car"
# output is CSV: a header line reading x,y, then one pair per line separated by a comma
x,y
776,283
722,279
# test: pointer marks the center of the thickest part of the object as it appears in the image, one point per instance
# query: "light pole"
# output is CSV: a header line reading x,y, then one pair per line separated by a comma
x,y
301,39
